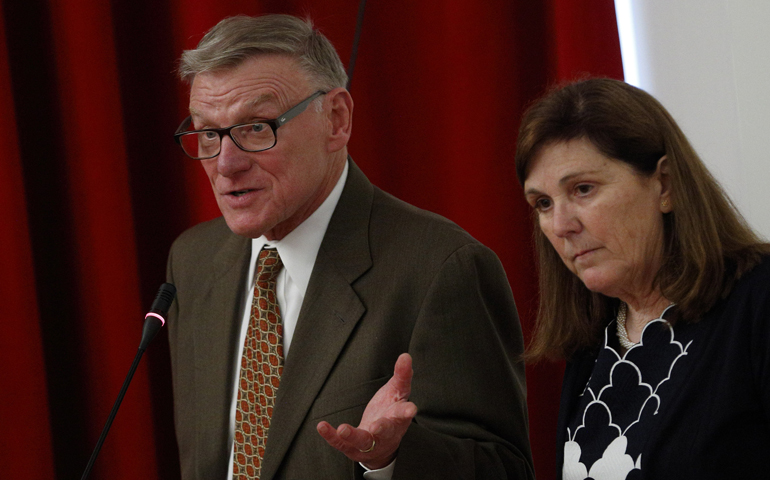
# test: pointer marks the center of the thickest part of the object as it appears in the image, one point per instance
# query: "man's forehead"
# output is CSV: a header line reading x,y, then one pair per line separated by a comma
x,y
247,98
261,81
280,66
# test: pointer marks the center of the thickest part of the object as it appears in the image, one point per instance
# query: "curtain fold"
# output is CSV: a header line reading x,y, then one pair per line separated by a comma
x,y
96,190
23,391
105,257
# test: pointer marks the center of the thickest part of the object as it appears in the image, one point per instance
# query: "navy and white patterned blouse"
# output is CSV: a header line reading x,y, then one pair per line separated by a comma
x,y
692,401
620,403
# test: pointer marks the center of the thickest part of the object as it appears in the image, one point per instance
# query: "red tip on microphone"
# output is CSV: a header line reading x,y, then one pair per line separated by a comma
x,y
159,317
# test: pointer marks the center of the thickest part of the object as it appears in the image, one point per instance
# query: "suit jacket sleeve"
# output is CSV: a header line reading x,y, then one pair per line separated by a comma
x,y
468,381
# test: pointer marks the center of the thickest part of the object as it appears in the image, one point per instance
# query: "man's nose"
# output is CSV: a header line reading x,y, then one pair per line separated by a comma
x,y
231,159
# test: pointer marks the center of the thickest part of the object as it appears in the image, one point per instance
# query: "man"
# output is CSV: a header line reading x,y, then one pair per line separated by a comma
x,y
293,308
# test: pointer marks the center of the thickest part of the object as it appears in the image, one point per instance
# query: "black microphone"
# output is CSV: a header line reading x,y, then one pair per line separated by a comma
x,y
153,321
156,317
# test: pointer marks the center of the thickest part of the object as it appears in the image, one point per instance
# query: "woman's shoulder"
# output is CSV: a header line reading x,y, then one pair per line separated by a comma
x,y
758,277
748,303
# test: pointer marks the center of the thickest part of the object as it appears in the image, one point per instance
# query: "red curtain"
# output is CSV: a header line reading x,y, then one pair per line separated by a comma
x,y
95,190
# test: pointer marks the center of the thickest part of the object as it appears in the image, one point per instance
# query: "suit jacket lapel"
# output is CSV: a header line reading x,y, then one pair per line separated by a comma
x,y
215,347
329,313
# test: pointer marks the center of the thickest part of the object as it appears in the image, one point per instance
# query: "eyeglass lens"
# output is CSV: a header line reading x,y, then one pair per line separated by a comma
x,y
251,137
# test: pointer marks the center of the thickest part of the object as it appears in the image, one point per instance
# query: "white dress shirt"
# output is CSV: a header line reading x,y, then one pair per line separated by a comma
x,y
298,251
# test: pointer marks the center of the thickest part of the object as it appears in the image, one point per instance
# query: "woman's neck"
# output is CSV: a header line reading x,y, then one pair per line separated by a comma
x,y
642,310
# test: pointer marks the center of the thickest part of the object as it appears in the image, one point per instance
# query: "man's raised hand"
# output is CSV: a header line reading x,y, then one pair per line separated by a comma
x,y
375,441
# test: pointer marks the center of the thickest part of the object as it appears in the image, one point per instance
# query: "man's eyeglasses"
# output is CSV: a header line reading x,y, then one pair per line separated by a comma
x,y
249,137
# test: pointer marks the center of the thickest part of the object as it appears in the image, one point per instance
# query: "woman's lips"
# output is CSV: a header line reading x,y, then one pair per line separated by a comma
x,y
583,253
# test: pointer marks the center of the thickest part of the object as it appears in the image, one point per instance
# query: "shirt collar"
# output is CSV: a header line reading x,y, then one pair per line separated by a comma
x,y
299,249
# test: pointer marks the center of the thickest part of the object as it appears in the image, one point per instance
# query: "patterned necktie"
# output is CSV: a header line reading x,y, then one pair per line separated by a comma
x,y
261,368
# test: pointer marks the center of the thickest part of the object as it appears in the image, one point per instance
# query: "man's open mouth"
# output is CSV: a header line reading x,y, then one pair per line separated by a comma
x,y
238,193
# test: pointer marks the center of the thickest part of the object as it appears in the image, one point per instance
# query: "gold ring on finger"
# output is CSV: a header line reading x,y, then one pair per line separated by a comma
x,y
370,448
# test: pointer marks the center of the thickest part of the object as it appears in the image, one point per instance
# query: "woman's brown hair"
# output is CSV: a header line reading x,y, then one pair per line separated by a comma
x,y
707,243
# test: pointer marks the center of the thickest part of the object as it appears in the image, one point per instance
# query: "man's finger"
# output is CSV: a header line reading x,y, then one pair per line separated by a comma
x,y
342,443
358,438
383,428
329,434
403,412
397,421
402,375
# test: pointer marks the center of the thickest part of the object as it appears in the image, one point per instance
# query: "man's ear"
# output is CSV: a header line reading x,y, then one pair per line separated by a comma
x,y
340,114
662,173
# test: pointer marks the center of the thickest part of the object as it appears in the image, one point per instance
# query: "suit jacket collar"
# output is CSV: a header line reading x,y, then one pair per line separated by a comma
x,y
329,313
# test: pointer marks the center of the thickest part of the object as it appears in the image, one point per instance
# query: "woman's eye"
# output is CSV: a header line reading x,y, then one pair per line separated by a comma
x,y
584,189
542,204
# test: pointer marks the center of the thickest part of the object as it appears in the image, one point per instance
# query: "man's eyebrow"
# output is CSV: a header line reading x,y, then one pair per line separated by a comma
x,y
259,101
262,99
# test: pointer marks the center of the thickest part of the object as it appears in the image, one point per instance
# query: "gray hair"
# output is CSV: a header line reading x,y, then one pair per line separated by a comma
x,y
236,39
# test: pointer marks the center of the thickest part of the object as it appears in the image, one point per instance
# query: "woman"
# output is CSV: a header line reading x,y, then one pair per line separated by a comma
x,y
653,289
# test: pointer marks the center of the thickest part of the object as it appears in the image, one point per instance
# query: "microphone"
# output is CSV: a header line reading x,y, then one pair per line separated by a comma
x,y
156,317
153,322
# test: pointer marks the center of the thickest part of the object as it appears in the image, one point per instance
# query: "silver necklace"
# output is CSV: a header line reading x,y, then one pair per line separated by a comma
x,y
620,322
621,327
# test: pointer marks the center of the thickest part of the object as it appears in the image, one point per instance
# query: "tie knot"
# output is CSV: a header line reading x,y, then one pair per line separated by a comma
x,y
268,265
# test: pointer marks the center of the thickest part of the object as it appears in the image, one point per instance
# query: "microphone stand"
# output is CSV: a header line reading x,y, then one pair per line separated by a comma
x,y
153,322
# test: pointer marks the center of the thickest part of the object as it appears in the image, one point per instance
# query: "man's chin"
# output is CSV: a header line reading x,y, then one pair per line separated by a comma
x,y
253,226
244,228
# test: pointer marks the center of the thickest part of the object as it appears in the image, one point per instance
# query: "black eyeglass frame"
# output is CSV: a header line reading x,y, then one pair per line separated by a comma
x,y
273,123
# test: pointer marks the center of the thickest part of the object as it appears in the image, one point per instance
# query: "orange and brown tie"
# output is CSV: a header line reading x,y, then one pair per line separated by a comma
x,y
261,368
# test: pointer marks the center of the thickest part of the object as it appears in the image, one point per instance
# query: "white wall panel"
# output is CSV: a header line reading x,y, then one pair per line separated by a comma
x,y
708,62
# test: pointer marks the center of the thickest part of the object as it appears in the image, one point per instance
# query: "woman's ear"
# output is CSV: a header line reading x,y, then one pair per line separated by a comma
x,y
662,173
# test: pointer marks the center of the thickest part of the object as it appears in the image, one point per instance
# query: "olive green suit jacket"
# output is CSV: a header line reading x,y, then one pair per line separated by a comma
x,y
389,278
